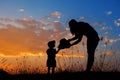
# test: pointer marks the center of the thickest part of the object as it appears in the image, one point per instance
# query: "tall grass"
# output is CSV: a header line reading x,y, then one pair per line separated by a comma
x,y
104,62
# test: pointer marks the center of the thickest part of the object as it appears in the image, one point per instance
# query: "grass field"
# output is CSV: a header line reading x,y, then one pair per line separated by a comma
x,y
62,76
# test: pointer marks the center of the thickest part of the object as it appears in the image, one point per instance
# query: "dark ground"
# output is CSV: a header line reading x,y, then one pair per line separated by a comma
x,y
63,76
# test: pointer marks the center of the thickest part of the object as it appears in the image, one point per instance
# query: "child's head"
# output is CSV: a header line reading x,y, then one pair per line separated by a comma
x,y
51,44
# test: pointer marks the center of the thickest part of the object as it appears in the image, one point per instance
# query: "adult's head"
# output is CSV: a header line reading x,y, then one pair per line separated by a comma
x,y
72,25
76,26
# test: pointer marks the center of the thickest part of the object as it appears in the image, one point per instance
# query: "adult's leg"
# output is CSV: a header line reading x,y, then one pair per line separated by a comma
x,y
90,60
91,46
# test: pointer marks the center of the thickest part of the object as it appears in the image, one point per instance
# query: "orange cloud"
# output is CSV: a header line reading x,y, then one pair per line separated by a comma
x,y
107,52
28,35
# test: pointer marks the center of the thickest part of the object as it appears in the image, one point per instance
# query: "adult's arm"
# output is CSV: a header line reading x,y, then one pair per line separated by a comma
x,y
79,38
74,38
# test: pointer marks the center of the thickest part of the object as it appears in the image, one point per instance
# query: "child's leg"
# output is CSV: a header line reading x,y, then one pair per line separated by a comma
x,y
48,70
53,69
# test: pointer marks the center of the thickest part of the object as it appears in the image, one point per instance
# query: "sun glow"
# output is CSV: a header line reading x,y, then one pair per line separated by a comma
x,y
71,55
28,62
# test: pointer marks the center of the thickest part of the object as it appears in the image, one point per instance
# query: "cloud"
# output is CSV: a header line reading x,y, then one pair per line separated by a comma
x,y
106,40
109,12
56,14
119,35
2,26
30,36
104,28
97,23
81,18
107,52
112,40
6,22
58,26
21,10
117,22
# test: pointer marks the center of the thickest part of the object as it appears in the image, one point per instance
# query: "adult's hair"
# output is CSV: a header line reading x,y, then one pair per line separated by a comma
x,y
72,26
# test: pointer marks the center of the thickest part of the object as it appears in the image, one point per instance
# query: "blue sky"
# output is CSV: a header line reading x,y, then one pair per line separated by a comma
x,y
98,9
69,8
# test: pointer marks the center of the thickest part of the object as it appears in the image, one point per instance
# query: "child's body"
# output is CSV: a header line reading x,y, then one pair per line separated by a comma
x,y
51,52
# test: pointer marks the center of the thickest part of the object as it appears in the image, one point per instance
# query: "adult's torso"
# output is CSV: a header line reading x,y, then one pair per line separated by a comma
x,y
87,30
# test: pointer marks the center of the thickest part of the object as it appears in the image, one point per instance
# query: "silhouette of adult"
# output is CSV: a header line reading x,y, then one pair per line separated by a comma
x,y
51,53
78,29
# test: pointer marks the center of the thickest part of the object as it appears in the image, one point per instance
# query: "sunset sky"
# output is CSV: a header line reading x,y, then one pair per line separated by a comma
x,y
27,25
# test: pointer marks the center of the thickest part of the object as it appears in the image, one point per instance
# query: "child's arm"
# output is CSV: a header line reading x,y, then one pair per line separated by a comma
x,y
57,50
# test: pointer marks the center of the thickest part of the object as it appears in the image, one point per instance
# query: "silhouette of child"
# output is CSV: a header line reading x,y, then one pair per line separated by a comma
x,y
51,53
78,29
